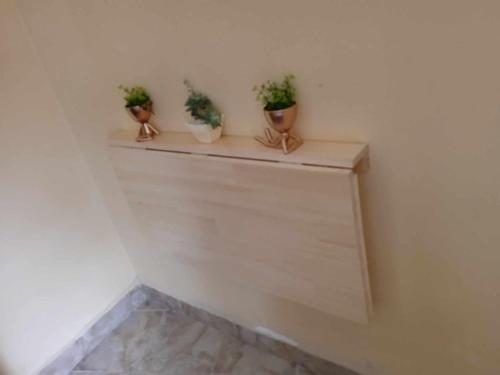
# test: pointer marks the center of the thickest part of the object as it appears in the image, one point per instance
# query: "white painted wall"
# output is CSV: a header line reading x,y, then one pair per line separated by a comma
x,y
61,261
418,80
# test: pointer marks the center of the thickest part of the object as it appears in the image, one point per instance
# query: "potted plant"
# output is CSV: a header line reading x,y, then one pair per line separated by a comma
x,y
280,111
204,120
140,107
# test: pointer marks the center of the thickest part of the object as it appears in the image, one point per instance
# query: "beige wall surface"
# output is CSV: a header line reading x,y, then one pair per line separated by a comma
x,y
418,80
61,261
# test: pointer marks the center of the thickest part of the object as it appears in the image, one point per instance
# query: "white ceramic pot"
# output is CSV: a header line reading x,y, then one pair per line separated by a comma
x,y
204,133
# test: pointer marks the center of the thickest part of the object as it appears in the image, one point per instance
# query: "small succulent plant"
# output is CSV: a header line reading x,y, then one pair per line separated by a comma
x,y
201,108
277,95
136,96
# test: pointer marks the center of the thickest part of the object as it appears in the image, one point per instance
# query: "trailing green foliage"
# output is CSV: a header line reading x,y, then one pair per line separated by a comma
x,y
201,107
136,96
277,95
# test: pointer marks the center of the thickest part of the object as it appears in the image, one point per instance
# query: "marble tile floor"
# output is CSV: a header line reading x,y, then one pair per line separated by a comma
x,y
156,340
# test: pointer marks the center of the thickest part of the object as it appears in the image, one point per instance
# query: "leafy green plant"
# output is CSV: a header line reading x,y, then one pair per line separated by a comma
x,y
136,96
201,107
277,95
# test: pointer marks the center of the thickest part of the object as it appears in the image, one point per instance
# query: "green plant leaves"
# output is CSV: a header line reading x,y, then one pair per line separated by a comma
x,y
135,96
273,96
277,95
200,107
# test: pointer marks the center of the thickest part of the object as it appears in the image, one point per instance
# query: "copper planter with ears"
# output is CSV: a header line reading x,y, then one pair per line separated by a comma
x,y
142,114
282,122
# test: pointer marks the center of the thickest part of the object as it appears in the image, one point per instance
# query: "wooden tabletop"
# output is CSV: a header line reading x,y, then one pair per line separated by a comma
x,y
320,153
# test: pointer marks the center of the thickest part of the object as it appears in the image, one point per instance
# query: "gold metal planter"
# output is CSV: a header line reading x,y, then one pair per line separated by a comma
x,y
142,114
282,122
